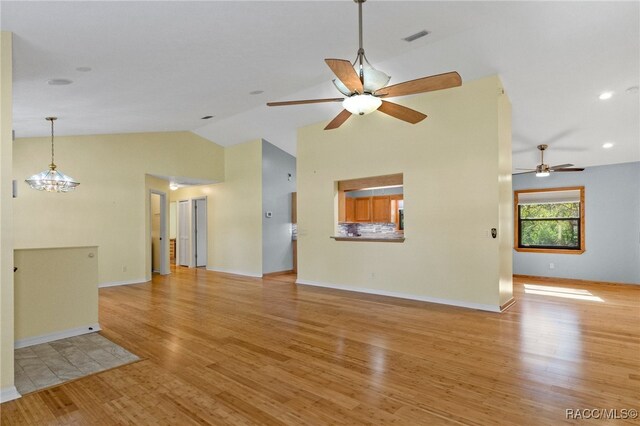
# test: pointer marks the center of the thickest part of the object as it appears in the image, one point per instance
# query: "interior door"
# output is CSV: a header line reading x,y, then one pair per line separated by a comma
x,y
183,233
200,231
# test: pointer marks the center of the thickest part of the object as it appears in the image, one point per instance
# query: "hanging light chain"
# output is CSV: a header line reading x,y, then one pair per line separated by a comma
x,y
52,166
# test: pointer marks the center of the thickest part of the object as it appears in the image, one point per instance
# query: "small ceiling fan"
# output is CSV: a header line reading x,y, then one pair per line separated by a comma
x,y
543,170
365,86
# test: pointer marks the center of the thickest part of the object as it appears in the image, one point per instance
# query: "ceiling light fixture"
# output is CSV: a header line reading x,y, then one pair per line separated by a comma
x,y
371,78
173,186
542,170
607,145
605,95
52,180
361,104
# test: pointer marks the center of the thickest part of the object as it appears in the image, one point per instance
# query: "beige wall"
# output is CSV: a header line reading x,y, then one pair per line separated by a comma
x,y
6,227
451,167
56,291
234,212
110,207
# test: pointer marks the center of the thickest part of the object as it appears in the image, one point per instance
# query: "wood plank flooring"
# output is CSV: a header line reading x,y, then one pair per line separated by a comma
x,y
223,349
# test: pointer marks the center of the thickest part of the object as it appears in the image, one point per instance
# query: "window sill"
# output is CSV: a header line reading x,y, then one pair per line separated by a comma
x,y
546,250
370,239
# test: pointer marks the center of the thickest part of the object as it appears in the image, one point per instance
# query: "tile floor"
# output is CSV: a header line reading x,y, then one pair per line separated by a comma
x,y
48,364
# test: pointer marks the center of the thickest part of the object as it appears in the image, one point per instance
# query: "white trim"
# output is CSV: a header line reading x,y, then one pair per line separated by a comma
x,y
470,305
9,394
57,335
126,282
234,272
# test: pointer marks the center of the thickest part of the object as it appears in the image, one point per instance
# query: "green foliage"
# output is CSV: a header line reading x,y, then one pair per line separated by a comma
x,y
556,225
541,211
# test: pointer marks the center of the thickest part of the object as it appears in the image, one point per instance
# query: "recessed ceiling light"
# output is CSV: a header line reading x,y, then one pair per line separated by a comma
x,y
605,95
632,90
83,69
607,145
206,117
416,36
59,82
256,92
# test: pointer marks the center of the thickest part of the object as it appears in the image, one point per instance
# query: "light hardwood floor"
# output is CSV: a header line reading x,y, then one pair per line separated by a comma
x,y
222,349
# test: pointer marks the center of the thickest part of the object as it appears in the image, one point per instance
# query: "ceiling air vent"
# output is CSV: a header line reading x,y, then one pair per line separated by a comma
x,y
416,36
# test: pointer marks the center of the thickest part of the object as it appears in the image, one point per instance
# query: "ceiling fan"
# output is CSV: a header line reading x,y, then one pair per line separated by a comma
x,y
543,170
365,86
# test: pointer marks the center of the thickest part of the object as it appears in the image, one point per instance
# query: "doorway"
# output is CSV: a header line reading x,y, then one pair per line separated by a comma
x,y
183,233
199,229
158,211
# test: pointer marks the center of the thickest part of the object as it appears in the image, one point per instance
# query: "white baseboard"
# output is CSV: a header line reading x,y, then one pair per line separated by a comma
x,y
127,282
235,272
9,394
71,332
470,305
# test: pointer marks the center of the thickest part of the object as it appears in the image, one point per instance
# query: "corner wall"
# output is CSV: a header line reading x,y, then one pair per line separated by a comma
x,y
612,226
7,389
452,197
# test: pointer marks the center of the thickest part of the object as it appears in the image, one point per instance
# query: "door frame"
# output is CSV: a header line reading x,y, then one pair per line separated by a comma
x,y
164,253
194,239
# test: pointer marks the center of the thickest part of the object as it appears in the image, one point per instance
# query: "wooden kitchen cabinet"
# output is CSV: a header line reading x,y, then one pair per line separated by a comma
x,y
350,210
381,209
362,209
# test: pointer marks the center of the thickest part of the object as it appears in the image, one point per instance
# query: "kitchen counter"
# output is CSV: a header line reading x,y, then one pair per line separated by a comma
x,y
388,238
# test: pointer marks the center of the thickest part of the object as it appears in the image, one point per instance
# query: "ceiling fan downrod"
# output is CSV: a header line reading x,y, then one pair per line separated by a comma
x,y
360,48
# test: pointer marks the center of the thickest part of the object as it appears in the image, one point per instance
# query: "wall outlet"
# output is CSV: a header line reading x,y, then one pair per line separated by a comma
x,y
268,214
552,265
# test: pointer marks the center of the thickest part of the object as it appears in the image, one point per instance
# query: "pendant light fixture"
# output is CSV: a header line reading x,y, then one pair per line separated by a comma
x,y
52,180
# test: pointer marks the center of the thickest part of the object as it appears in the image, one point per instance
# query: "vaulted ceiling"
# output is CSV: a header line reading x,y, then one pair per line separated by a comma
x,y
161,66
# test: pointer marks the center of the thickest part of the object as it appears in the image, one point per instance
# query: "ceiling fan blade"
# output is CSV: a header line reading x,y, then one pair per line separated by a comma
x,y
560,166
524,173
531,170
421,85
346,74
306,101
574,169
401,112
340,118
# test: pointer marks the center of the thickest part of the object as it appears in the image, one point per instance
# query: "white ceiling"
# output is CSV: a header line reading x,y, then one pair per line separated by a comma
x,y
160,66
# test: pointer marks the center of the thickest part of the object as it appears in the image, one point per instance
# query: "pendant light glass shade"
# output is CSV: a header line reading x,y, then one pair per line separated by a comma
x,y
373,79
52,180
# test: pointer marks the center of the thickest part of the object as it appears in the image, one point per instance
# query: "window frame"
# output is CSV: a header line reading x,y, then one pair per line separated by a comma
x,y
516,227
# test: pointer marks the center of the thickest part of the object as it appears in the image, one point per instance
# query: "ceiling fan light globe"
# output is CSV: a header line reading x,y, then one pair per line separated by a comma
x,y
341,87
374,79
542,174
361,104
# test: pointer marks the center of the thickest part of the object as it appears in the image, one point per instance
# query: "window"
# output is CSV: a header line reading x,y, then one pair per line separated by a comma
x,y
549,220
